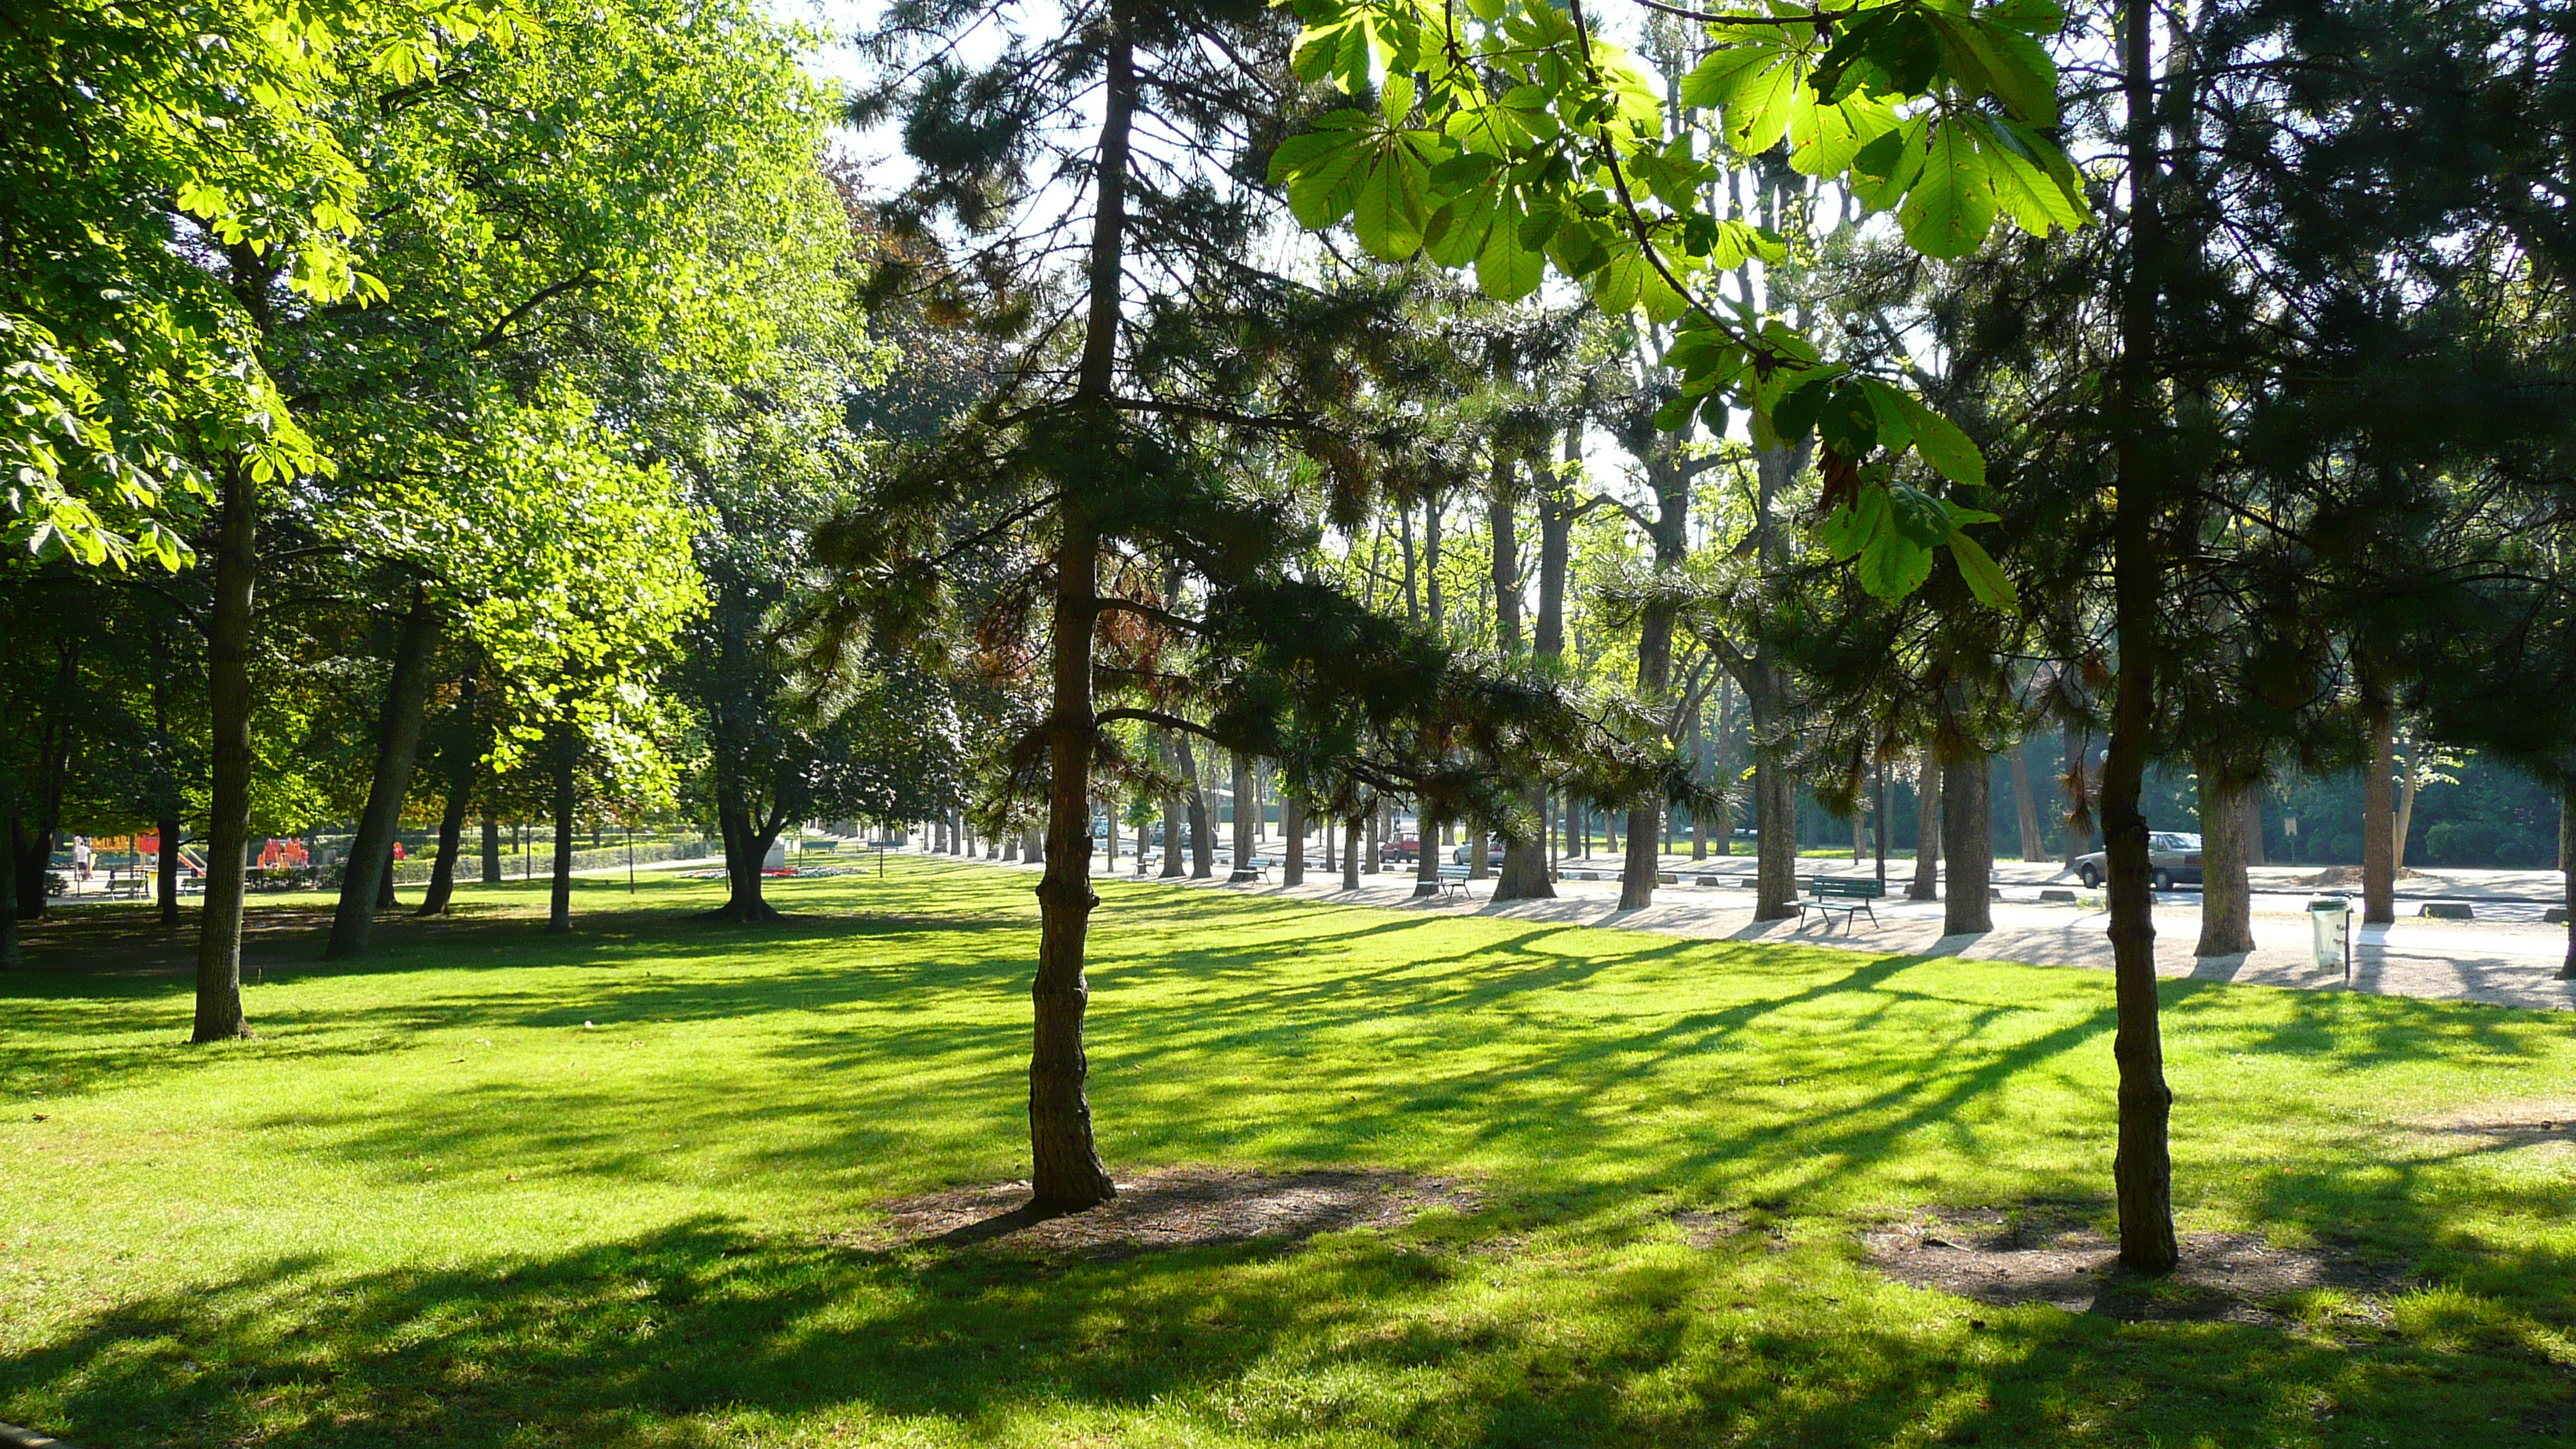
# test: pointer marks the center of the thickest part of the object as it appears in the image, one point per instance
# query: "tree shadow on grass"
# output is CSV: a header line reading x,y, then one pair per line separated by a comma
x,y
700,1333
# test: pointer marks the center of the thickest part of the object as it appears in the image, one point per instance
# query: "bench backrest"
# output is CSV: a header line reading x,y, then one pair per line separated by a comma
x,y
1845,886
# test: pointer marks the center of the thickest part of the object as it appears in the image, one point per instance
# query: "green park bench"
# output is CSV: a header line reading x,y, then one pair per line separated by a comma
x,y
1453,880
1847,894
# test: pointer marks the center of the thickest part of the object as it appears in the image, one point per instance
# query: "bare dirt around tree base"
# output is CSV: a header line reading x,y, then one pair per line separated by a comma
x,y
2048,1256
1173,1207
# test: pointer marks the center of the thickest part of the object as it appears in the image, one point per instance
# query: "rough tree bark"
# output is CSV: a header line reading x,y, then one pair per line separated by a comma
x,y
1668,475
2142,1169
2378,816
2226,892
1967,842
1066,1174
398,729
1351,854
219,921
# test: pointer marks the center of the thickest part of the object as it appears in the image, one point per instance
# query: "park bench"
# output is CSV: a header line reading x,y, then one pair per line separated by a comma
x,y
1847,894
1453,880
1256,867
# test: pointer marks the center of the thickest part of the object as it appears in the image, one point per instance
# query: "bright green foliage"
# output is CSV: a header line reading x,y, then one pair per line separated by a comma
x,y
143,142
626,1189
1510,137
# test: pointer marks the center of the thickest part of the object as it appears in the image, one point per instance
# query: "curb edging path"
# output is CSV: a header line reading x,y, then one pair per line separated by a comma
x,y
13,1437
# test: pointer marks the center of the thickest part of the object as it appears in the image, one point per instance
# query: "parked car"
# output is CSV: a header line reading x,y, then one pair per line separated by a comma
x,y
1401,848
1459,854
2172,855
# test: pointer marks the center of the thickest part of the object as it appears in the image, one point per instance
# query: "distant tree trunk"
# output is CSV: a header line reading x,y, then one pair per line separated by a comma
x,y
1202,827
2407,785
491,851
1525,875
165,871
398,730
1244,806
1351,854
2378,852
1326,827
2567,870
1967,838
1377,838
2034,840
228,631
1926,885
2226,893
1292,824
11,952
559,901
385,900
1174,822
442,870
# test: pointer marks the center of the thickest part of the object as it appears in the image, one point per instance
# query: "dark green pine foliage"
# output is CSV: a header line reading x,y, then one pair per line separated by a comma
x,y
1172,410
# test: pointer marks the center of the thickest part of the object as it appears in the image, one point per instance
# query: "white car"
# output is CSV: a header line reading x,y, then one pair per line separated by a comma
x,y
2173,856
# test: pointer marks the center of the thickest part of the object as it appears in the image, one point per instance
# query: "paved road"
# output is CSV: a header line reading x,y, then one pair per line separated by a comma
x,y
2505,956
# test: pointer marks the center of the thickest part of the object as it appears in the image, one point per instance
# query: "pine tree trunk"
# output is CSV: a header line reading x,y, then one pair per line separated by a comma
x,y
1066,1171
1775,823
2378,855
1202,822
1967,840
2034,840
1426,858
1524,875
1926,885
2567,870
1292,824
2226,892
228,631
1066,1174
2142,1170
398,730
1243,808
12,953
1351,854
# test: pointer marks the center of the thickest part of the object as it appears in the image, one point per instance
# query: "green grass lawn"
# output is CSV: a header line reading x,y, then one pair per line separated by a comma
x,y
500,1189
